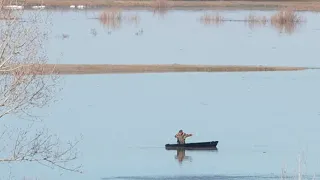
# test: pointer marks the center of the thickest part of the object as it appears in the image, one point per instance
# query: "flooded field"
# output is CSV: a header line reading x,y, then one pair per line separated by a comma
x,y
263,121
149,40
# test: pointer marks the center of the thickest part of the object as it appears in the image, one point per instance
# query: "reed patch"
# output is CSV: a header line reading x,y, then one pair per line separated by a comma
x,y
113,18
285,20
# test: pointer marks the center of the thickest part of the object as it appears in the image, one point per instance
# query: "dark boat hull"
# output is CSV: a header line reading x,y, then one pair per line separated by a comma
x,y
211,145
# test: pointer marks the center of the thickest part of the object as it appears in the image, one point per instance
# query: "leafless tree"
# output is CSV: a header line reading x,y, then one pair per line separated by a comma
x,y
22,60
25,86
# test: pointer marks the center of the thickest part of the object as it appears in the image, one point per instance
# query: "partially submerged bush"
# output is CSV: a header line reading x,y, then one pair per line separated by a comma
x,y
114,17
286,20
286,16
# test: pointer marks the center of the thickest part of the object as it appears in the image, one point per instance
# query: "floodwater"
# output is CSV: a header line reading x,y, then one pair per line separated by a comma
x,y
180,37
262,120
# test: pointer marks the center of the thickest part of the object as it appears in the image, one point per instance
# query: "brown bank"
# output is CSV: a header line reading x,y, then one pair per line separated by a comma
x,y
312,5
65,69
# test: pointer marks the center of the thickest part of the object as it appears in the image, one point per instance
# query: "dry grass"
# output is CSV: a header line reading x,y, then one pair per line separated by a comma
x,y
164,68
112,18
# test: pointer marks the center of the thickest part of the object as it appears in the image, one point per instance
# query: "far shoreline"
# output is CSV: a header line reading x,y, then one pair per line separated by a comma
x,y
309,5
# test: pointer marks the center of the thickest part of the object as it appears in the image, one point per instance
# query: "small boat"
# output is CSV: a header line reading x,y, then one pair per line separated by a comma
x,y
211,145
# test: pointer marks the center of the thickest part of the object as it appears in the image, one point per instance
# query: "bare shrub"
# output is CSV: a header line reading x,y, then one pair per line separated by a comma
x,y
286,16
286,20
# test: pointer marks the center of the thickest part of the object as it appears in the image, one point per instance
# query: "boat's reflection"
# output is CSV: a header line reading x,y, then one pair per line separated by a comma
x,y
181,156
181,153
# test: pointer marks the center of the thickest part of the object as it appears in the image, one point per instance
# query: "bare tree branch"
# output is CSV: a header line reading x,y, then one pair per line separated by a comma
x,y
41,147
22,56
24,88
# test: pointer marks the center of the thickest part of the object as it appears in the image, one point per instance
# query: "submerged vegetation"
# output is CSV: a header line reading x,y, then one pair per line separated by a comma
x,y
285,20
212,19
112,18
254,21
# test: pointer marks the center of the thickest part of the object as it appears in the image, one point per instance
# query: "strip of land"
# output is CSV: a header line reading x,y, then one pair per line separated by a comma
x,y
65,69
308,5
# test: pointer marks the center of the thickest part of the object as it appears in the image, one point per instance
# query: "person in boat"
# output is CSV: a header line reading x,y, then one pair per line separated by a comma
x,y
181,137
